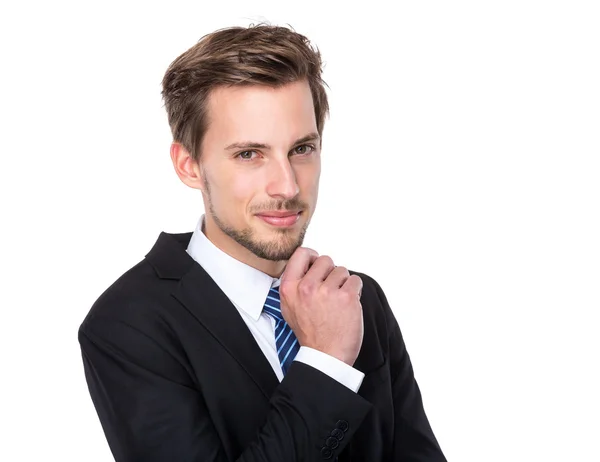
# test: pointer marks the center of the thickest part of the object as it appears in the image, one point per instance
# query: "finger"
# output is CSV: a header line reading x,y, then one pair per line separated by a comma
x,y
337,277
353,284
320,270
299,263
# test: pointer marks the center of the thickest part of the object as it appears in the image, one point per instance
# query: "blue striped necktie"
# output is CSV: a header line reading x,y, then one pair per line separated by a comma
x,y
285,340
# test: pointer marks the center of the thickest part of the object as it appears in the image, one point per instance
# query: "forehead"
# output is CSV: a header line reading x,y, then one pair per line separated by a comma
x,y
260,113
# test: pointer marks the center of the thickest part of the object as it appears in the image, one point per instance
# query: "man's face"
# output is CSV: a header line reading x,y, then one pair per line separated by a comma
x,y
261,153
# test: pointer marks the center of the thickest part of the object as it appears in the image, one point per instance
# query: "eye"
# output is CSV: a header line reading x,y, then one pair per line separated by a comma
x,y
242,155
304,149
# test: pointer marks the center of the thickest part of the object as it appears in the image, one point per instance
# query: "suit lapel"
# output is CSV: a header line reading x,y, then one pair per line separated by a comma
x,y
199,293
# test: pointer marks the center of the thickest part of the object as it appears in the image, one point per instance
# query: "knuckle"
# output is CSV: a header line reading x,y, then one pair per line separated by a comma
x,y
344,291
307,252
327,259
345,296
356,279
342,269
327,290
353,282
284,289
305,287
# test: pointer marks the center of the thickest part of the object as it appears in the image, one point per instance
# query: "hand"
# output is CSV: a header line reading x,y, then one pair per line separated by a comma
x,y
321,304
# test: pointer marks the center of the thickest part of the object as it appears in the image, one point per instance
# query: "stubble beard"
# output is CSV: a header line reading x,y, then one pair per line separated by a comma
x,y
282,247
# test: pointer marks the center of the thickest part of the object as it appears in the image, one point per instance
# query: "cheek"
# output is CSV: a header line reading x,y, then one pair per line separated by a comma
x,y
241,189
231,184
310,182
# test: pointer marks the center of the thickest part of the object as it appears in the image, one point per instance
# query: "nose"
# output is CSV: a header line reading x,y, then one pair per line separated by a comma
x,y
282,180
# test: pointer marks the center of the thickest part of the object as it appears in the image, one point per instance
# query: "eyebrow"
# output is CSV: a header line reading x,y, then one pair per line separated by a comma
x,y
255,145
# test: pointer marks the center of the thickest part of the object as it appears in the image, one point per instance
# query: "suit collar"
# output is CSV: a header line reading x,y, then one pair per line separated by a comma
x,y
168,257
199,293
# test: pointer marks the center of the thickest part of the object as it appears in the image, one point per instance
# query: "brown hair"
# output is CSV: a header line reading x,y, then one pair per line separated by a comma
x,y
256,55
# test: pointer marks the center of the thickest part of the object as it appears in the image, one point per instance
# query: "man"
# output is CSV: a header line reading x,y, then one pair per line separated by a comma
x,y
234,343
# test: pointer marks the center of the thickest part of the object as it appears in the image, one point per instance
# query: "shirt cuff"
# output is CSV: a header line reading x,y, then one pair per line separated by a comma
x,y
333,367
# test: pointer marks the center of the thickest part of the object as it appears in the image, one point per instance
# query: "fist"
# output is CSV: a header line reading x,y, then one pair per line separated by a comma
x,y
321,304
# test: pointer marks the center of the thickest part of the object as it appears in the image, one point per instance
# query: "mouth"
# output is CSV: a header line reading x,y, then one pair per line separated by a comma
x,y
281,219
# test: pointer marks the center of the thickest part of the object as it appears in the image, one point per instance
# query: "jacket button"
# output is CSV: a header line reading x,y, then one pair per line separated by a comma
x,y
326,453
342,425
339,434
332,442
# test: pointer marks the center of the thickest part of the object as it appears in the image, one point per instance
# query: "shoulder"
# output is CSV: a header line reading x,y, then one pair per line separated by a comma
x,y
138,298
372,291
129,325
370,284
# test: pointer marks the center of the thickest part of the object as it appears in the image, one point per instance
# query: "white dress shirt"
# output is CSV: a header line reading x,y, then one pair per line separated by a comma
x,y
247,288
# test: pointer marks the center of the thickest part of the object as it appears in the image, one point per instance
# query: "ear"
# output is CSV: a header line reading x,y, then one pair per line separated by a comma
x,y
186,168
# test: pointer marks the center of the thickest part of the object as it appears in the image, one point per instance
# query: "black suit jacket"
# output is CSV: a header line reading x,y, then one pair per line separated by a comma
x,y
175,375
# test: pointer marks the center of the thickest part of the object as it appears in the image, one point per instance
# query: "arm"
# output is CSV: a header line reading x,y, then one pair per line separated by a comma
x,y
151,411
414,440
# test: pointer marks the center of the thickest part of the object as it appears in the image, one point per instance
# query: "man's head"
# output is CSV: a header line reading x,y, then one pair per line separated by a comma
x,y
247,108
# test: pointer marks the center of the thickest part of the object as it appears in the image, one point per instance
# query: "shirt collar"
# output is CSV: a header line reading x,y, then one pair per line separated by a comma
x,y
245,286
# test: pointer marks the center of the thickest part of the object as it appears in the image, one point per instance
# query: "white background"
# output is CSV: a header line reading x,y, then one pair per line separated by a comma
x,y
460,169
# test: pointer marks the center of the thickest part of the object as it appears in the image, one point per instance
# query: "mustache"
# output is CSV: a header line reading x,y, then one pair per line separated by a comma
x,y
291,207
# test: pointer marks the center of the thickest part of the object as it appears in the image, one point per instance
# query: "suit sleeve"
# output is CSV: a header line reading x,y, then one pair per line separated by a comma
x,y
151,410
414,440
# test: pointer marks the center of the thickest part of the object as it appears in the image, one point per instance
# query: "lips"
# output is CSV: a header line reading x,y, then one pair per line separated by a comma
x,y
285,213
281,219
